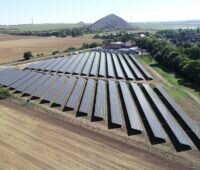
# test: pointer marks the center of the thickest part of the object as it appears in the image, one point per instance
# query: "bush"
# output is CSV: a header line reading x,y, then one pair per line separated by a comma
x,y
4,93
28,55
70,49
55,52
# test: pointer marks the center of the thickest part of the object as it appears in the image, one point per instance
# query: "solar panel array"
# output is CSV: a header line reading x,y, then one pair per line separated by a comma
x,y
96,64
138,108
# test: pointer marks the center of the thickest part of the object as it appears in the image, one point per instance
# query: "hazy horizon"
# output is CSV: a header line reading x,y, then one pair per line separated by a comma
x,y
88,11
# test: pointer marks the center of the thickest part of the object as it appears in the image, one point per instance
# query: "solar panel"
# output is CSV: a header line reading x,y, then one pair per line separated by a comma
x,y
141,68
131,107
115,104
73,65
57,87
134,68
46,64
45,87
11,76
182,117
95,66
66,65
150,116
175,128
88,98
74,99
80,66
111,72
53,64
20,82
125,67
65,93
118,68
29,82
35,65
101,100
33,87
102,68
62,62
88,65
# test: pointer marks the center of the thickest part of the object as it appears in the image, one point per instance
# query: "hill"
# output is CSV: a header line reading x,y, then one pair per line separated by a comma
x,y
110,22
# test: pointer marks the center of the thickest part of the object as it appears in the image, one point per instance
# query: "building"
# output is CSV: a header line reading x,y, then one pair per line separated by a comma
x,y
114,45
119,45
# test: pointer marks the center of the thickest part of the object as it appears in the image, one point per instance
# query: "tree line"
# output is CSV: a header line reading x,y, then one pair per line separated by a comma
x,y
184,61
181,37
115,37
74,32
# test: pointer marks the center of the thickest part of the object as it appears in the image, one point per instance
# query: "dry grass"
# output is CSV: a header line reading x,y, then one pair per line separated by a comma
x,y
13,47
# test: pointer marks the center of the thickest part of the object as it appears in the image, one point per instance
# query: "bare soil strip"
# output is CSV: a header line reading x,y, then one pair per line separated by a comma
x,y
29,138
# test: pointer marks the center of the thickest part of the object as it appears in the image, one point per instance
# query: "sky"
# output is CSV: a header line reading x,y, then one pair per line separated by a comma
x,y
72,11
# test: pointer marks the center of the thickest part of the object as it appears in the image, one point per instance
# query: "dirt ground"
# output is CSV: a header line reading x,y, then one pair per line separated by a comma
x,y
31,139
13,47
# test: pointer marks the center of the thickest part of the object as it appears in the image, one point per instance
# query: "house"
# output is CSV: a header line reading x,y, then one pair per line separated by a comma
x,y
114,45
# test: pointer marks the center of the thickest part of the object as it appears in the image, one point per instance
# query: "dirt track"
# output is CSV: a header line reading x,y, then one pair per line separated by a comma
x,y
30,139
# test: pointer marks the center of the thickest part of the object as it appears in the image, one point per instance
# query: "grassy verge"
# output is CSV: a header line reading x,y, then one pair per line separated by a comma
x,y
177,87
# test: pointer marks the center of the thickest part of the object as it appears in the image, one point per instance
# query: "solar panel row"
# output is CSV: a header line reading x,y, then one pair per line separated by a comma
x,y
109,100
167,118
97,64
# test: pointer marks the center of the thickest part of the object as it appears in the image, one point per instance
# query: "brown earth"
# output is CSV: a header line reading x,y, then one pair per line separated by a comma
x,y
13,47
30,139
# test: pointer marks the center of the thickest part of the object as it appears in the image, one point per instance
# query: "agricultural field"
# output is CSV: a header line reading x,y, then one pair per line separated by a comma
x,y
13,47
31,139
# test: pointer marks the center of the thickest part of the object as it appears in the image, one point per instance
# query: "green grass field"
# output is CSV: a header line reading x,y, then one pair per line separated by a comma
x,y
171,81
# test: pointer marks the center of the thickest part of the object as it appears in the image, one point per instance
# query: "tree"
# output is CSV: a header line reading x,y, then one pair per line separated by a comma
x,y
28,55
